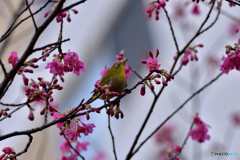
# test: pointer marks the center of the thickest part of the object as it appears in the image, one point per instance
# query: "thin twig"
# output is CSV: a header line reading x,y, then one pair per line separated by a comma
x,y
50,45
112,137
73,148
30,139
3,68
31,14
172,30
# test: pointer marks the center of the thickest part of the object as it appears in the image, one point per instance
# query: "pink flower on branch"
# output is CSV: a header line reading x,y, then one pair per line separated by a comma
x,y
70,63
13,58
190,54
152,61
153,8
7,153
56,67
231,60
199,132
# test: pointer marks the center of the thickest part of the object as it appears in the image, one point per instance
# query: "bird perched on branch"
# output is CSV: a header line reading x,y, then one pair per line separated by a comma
x,y
113,81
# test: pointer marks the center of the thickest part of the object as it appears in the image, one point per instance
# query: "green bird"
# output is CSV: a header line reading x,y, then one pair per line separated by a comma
x,y
114,81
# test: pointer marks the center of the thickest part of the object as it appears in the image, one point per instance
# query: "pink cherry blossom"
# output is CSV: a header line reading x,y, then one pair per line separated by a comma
x,y
200,130
86,128
82,146
65,147
8,150
61,16
72,63
128,71
152,62
13,58
154,8
190,54
56,116
71,156
231,60
104,71
56,67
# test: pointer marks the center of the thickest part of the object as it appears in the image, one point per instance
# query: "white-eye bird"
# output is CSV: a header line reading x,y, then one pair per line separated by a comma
x,y
113,82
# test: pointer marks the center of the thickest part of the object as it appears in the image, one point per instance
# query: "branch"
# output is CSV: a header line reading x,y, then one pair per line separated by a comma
x,y
30,139
50,45
31,14
29,49
129,155
3,68
177,110
73,5
199,31
172,30
15,25
112,137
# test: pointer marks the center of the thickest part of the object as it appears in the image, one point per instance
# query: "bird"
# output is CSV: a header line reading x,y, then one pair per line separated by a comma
x,y
112,82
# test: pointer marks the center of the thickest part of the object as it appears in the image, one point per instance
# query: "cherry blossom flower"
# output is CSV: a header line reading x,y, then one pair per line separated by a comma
x,y
152,62
190,54
13,58
61,16
154,8
56,116
7,152
56,67
72,63
231,60
128,71
200,130
104,71
82,146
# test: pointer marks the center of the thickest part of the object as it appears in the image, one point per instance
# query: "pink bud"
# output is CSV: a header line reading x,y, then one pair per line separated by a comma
x,y
143,90
31,116
8,150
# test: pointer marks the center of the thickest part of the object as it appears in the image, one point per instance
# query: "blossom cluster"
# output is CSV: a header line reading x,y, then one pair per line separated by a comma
x,y
199,132
8,153
154,8
231,60
190,54
72,131
157,75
